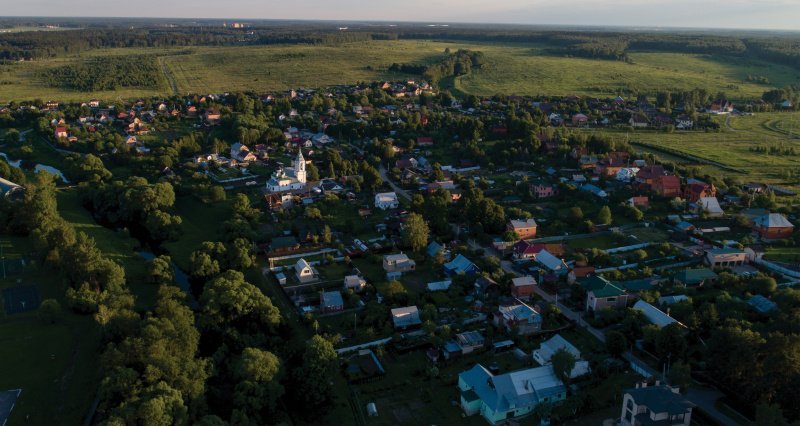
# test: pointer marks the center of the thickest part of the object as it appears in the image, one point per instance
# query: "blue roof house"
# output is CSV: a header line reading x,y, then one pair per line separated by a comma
x,y
509,395
460,265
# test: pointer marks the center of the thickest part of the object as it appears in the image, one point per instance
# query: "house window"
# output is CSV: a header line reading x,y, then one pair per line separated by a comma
x,y
611,299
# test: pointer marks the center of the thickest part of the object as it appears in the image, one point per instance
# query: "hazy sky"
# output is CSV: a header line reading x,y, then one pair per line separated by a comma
x,y
767,14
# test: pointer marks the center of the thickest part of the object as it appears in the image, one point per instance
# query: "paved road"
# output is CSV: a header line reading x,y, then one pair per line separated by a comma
x,y
705,398
399,191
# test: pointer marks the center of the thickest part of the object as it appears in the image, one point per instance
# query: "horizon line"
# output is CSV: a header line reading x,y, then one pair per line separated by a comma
x,y
432,22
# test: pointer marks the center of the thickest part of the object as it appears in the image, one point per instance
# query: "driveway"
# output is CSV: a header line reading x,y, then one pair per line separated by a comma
x,y
399,191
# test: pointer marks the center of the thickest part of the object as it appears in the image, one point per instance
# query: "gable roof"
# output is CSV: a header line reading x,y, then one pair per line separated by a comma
x,y
602,288
773,220
518,223
660,399
654,315
711,204
460,265
523,281
549,261
523,388
554,344
331,299
404,317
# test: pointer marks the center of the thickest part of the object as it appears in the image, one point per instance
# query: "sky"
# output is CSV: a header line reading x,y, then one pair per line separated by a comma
x,y
733,14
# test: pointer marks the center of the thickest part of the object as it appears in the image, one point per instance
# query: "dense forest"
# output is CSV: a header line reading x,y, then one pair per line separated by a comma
x,y
105,73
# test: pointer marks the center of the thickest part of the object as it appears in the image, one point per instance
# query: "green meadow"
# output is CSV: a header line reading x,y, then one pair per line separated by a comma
x,y
512,68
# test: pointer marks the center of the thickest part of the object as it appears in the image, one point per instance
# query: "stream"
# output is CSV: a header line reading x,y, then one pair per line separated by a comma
x,y
180,278
37,168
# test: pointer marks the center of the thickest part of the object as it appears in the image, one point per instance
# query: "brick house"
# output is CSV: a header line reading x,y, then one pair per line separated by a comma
x,y
667,186
525,229
523,287
773,226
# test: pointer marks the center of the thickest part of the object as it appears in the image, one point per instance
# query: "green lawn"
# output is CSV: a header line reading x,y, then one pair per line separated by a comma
x,y
201,222
54,365
783,254
602,242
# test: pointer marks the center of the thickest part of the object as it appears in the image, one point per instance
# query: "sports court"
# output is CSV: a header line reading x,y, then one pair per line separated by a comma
x,y
7,400
20,299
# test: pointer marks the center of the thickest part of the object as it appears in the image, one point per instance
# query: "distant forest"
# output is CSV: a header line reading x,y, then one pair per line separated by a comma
x,y
781,49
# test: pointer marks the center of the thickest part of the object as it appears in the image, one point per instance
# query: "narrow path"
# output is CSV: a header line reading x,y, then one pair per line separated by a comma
x,y
168,75
399,191
728,123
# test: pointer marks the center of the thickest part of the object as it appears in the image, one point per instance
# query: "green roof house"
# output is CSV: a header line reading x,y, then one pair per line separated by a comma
x,y
695,277
604,294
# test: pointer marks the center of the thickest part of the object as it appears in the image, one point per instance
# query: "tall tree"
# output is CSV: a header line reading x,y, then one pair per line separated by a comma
x,y
415,232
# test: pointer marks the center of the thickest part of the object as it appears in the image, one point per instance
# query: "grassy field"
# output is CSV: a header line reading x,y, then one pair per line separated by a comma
x,y
55,365
730,147
200,223
512,68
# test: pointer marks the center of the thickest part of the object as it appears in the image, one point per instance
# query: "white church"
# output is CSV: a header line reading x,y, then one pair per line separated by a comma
x,y
289,178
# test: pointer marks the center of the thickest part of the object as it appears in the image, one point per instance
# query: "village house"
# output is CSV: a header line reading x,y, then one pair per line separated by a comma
x,y
460,266
519,316
304,272
543,190
528,250
667,186
647,175
773,226
603,294
354,282
463,344
406,318
638,121
695,190
639,202
61,132
721,106
656,316
242,154
396,265
551,263
486,287
525,229
501,397
725,257
211,116
711,207
523,287
549,347
386,200
331,301
655,405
